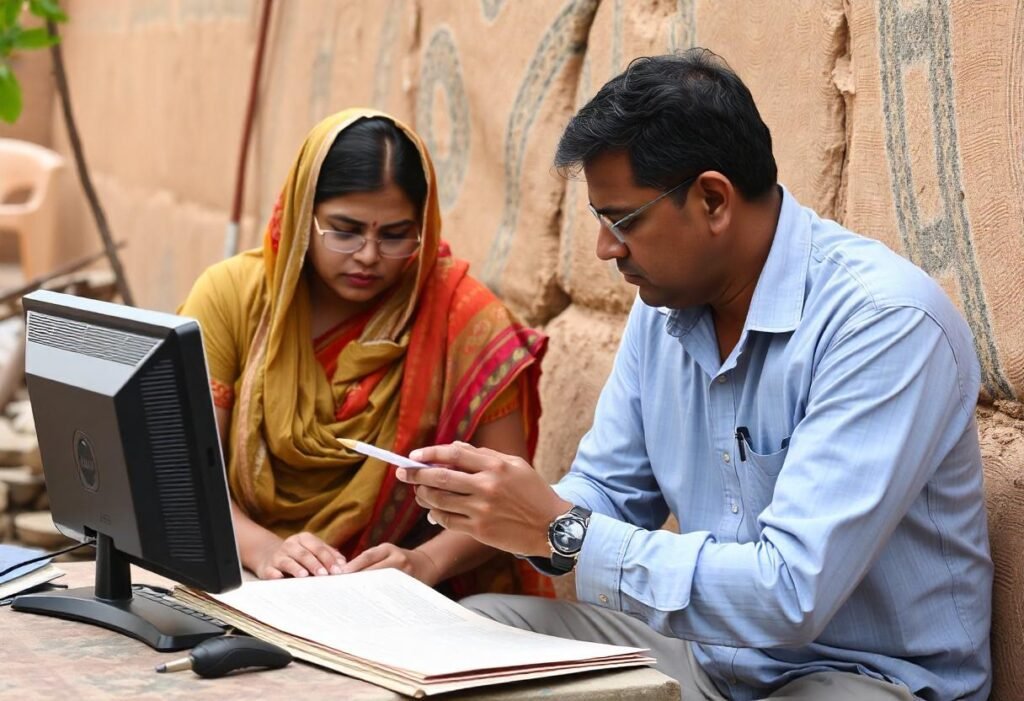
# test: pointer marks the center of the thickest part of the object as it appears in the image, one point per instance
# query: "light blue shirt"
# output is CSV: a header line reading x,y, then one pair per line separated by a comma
x,y
850,533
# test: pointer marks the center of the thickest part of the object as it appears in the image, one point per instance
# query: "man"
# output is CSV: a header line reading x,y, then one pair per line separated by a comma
x,y
799,397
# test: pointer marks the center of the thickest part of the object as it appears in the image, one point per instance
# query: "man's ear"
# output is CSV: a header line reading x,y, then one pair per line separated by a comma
x,y
717,199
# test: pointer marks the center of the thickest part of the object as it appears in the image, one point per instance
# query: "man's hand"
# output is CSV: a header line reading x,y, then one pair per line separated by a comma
x,y
497,499
413,562
300,555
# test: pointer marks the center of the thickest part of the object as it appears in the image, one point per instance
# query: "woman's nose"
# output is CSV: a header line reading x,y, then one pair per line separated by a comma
x,y
368,253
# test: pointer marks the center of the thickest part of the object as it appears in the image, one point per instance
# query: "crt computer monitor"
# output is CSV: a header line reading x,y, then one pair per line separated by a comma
x,y
132,459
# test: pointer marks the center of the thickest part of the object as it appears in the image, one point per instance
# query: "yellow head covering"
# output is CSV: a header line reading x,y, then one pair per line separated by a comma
x,y
286,467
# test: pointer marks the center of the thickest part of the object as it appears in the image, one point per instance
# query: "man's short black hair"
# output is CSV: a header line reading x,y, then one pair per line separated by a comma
x,y
677,116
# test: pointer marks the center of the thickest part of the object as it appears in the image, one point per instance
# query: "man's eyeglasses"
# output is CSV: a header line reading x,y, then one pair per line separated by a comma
x,y
618,227
395,245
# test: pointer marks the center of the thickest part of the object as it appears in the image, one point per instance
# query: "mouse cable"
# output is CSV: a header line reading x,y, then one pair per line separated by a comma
x,y
47,556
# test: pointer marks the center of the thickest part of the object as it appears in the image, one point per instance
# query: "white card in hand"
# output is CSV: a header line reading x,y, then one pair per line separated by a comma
x,y
381,454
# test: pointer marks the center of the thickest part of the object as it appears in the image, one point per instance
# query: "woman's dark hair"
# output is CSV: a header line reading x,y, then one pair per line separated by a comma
x,y
676,116
355,162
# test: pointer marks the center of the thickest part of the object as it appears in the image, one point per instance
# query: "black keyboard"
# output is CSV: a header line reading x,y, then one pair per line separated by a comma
x,y
163,596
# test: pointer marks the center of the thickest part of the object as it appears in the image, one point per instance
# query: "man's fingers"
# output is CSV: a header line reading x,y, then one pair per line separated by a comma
x,y
439,478
461,455
449,520
430,498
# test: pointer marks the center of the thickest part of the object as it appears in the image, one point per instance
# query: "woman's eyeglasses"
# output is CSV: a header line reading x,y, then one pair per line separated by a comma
x,y
393,245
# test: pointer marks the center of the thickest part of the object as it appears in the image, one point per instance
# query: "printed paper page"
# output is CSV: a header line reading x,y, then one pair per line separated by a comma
x,y
395,620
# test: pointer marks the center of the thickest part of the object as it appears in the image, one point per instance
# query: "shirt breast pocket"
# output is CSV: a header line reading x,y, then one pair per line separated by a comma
x,y
757,474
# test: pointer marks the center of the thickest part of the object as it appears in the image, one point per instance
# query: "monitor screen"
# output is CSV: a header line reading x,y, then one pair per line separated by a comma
x,y
130,451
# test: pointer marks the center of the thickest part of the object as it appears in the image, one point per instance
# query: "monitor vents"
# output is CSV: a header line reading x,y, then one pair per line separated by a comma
x,y
96,341
165,426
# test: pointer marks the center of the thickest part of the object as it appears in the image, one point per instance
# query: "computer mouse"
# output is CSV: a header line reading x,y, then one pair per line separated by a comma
x,y
216,657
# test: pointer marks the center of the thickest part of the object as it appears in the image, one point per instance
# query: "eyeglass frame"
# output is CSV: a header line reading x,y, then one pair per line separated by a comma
x,y
365,239
613,227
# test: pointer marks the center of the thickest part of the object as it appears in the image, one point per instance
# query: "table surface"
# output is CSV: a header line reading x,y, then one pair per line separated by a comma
x,y
50,657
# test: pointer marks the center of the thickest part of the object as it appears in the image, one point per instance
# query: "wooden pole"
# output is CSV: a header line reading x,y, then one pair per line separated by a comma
x,y
35,283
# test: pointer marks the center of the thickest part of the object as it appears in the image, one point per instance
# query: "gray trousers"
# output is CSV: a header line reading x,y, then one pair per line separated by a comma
x,y
566,619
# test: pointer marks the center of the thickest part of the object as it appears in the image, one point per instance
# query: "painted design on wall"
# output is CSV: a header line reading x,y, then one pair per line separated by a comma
x,y
584,91
566,37
942,246
576,187
382,69
683,32
1015,100
441,68
491,8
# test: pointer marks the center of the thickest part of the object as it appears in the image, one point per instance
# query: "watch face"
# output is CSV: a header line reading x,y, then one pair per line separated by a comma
x,y
567,536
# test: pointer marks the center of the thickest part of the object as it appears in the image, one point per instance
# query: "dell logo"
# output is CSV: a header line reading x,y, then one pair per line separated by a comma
x,y
88,470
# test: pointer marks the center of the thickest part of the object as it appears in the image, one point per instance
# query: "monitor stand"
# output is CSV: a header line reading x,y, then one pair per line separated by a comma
x,y
110,604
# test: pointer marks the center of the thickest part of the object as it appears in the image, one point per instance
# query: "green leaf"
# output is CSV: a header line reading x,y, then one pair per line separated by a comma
x,y
34,39
9,11
10,95
7,38
47,9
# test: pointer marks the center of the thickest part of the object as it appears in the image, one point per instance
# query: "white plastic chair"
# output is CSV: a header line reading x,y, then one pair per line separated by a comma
x,y
28,201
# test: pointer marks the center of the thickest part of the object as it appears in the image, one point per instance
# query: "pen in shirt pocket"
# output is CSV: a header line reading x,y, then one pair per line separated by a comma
x,y
743,441
742,437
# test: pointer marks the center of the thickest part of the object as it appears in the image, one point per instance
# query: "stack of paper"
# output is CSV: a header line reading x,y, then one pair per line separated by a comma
x,y
388,628
27,577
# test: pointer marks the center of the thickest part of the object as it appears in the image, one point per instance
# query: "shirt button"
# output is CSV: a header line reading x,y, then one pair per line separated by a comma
x,y
722,379
726,458
603,599
735,509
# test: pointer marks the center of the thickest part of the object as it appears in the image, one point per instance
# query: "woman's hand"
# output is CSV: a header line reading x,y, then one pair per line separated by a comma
x,y
299,555
413,562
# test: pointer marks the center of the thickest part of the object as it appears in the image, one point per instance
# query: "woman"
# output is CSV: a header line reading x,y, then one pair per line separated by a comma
x,y
354,321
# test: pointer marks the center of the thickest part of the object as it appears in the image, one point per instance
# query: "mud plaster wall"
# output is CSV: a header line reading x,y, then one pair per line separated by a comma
x,y
900,118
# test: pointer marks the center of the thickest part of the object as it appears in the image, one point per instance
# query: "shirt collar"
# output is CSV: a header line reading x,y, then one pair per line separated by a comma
x,y
778,302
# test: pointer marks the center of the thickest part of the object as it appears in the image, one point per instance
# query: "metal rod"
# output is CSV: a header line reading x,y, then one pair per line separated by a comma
x,y
231,235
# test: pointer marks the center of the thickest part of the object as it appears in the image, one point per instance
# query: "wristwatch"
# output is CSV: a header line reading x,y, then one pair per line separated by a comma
x,y
565,536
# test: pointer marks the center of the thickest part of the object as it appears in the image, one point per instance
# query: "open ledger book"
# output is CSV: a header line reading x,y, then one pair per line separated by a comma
x,y
387,628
